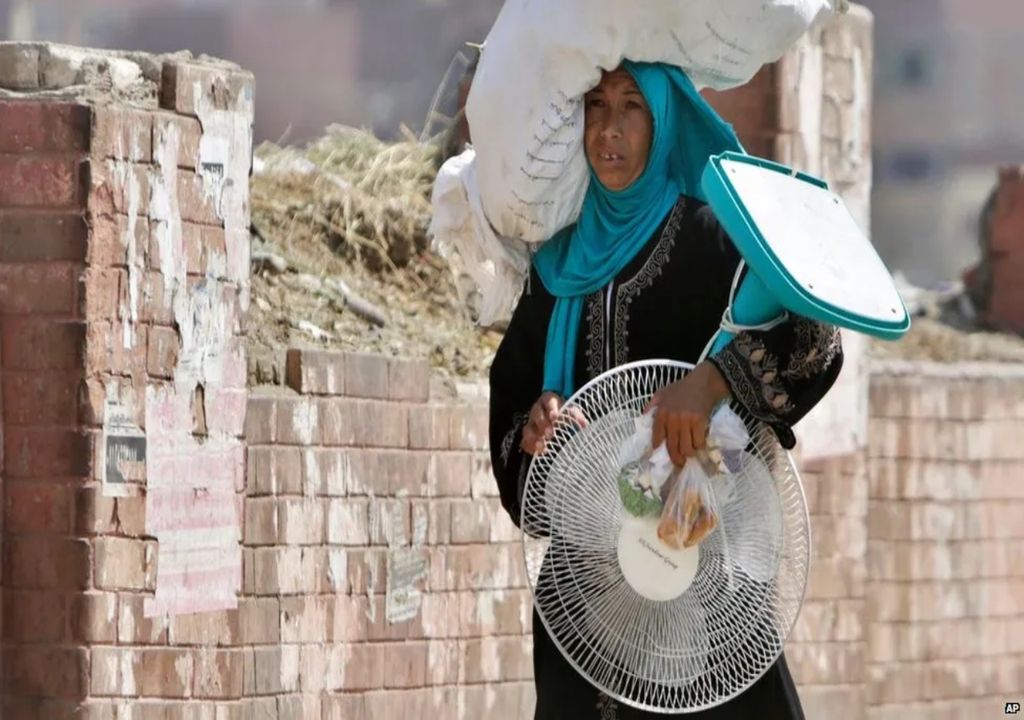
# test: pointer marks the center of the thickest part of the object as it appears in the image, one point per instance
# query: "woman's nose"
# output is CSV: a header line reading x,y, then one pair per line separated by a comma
x,y
612,128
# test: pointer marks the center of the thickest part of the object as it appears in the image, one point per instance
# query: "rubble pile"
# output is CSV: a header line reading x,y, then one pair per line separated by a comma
x,y
341,259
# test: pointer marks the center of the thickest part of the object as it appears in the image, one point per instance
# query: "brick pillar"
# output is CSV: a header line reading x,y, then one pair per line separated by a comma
x,y
44,179
124,266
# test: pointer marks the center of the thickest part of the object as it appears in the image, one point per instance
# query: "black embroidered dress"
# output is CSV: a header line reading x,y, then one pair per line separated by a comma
x,y
666,303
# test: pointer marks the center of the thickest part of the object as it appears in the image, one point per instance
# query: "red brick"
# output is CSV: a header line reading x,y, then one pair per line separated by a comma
x,y
298,421
46,672
107,246
103,291
221,628
190,132
122,133
205,250
164,673
218,674
38,288
27,236
34,708
155,304
93,618
33,616
382,424
193,205
429,427
469,427
37,506
315,372
46,562
261,420
131,516
261,521
45,453
352,707
134,628
274,471
31,126
339,418
409,380
163,351
112,187
366,375
223,86
40,398
33,344
364,668
40,181
124,564
107,351
450,475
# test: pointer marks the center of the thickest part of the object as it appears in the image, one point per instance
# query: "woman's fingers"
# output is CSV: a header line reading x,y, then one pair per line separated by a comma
x,y
682,433
699,433
682,441
540,426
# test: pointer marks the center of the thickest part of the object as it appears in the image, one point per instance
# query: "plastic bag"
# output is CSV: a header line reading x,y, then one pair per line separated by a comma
x,y
690,512
692,507
645,472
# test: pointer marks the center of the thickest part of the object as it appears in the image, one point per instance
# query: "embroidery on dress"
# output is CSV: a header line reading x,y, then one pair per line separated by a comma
x,y
595,335
816,347
608,708
652,268
754,376
518,423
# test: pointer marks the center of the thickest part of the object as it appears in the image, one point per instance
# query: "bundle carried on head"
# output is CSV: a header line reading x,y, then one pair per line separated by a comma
x,y
527,174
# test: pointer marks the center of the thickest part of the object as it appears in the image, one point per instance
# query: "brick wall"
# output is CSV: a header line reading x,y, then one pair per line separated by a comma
x,y
123,282
372,523
44,177
826,652
945,573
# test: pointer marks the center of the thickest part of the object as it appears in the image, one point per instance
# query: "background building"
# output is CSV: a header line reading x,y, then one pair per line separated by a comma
x,y
948,108
359,62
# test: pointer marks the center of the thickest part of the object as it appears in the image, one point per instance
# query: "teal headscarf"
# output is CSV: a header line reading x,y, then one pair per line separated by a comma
x,y
613,226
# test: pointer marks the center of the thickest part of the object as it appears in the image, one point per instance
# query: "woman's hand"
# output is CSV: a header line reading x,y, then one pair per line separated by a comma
x,y
684,410
541,424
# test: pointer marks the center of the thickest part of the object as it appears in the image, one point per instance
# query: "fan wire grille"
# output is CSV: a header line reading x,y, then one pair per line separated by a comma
x,y
723,633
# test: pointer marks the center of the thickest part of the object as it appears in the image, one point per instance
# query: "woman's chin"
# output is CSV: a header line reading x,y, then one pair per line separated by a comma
x,y
615,182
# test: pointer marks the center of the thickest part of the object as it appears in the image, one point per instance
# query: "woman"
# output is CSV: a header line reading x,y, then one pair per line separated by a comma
x,y
645,273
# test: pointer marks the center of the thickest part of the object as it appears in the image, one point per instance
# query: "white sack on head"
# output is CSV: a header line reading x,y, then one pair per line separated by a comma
x,y
529,175
525,108
496,266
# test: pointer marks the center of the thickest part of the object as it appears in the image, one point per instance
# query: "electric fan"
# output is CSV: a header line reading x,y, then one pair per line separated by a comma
x,y
657,628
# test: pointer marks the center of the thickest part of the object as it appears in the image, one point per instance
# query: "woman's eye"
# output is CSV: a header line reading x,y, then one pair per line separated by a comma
x,y
635,105
595,102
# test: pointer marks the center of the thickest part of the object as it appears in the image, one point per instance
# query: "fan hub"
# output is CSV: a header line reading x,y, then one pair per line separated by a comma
x,y
654,570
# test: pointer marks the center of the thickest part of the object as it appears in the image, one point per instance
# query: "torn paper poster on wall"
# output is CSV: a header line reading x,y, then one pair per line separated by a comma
x,y
195,463
124,450
407,564
193,509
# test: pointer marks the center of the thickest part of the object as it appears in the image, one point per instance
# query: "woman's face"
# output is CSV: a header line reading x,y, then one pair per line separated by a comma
x,y
618,130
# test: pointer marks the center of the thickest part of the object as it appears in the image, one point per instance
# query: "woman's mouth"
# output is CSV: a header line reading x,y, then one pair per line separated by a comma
x,y
610,157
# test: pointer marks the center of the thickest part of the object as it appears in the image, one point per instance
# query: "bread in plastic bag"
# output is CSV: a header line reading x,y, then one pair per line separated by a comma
x,y
692,507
